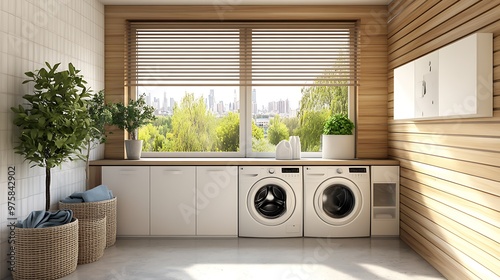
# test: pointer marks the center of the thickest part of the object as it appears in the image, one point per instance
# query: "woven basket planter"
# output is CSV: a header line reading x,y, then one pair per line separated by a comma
x,y
91,239
46,253
96,210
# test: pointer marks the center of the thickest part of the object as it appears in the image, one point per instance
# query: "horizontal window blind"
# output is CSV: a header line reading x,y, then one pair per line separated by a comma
x,y
242,53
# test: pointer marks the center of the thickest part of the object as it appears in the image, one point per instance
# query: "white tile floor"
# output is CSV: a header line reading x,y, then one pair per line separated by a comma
x,y
253,258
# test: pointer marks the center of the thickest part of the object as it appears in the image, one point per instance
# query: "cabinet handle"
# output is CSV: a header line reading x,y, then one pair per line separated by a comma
x,y
215,171
173,172
127,171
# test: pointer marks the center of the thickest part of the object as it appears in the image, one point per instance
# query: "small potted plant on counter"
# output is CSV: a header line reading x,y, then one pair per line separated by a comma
x,y
338,139
130,118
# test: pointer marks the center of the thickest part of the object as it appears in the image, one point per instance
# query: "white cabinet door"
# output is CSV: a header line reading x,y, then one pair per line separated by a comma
x,y
173,209
217,196
130,185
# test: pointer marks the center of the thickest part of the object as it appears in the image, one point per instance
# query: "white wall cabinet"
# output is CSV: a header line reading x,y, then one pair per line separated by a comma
x,y
217,200
130,184
454,81
173,210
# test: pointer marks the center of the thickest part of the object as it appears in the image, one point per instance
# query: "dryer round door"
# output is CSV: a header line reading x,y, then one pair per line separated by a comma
x,y
271,201
337,201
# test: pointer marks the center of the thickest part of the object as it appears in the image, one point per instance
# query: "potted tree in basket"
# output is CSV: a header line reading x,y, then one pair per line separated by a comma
x,y
130,118
338,139
53,126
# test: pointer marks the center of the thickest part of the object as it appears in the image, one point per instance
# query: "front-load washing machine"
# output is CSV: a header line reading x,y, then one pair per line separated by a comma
x,y
270,201
337,201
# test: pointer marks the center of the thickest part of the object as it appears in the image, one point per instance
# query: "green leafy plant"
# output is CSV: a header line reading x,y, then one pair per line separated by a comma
x,y
55,122
132,116
99,117
338,124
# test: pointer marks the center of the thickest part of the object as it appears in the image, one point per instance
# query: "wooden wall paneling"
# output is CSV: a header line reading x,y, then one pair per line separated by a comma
x,y
479,227
372,53
475,211
472,156
473,169
485,267
448,266
438,37
458,256
496,102
454,246
114,80
427,10
483,204
472,182
95,173
429,23
415,211
397,13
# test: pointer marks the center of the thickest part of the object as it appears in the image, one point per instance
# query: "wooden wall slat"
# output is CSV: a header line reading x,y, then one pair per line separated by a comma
x,y
371,94
450,168
489,127
459,141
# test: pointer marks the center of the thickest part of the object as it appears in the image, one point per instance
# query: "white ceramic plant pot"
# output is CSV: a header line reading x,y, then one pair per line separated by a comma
x,y
133,148
337,146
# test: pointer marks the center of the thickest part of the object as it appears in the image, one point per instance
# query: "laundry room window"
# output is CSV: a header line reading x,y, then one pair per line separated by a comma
x,y
235,89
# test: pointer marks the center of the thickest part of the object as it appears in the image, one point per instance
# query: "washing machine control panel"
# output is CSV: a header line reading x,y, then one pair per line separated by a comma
x,y
357,169
359,173
290,172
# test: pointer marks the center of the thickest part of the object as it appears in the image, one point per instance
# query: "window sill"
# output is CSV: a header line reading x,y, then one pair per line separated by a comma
x,y
238,162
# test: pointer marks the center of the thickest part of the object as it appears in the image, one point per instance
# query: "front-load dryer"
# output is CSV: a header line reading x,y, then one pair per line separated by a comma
x,y
270,201
337,201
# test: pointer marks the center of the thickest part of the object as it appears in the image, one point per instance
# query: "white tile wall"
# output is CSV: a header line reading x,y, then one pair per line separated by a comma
x,y
32,32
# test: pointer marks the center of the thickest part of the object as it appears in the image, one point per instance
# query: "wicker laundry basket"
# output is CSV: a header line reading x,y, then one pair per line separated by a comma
x,y
91,239
46,253
96,210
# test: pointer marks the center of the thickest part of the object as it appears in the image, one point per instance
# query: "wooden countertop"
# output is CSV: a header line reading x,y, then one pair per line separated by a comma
x,y
239,162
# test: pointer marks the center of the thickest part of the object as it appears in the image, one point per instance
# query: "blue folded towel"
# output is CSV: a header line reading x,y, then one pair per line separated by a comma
x,y
98,193
43,219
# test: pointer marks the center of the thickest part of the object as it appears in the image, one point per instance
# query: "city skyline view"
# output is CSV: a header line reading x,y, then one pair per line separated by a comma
x,y
221,100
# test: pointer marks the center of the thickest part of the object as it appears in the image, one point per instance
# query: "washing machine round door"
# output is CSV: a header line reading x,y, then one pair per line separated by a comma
x,y
338,201
271,201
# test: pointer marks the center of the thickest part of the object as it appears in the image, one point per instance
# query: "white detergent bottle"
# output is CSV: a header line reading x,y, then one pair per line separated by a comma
x,y
284,150
295,143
